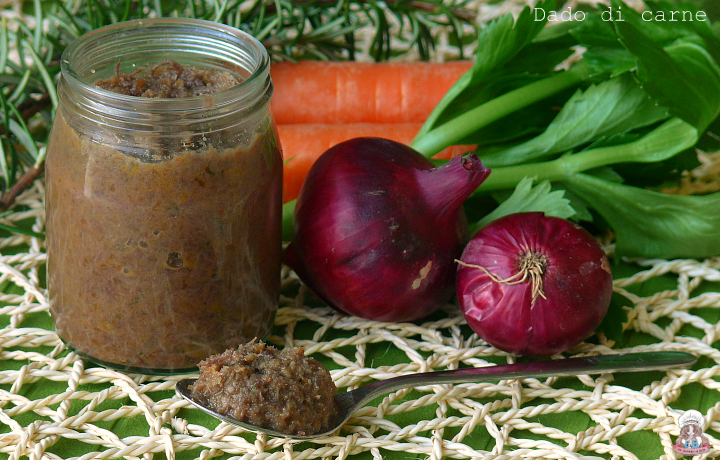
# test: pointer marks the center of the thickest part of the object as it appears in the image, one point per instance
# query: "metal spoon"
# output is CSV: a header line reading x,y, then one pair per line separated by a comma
x,y
353,400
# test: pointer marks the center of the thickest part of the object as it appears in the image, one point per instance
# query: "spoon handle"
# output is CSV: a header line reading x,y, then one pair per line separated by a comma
x,y
642,361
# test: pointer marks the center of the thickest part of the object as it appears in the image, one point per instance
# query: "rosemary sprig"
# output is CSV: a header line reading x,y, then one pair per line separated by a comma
x,y
31,45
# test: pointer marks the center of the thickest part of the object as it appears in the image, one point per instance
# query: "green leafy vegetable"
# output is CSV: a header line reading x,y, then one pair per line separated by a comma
x,y
469,99
644,94
652,224
665,141
613,106
527,198
684,77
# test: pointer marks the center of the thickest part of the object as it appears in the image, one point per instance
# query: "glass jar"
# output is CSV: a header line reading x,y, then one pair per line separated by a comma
x,y
163,214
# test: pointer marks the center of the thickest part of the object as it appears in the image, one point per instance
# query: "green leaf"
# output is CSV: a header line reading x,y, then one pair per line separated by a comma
x,y
659,22
505,37
694,23
582,212
527,198
518,126
614,106
685,78
605,51
710,7
533,119
21,231
47,79
614,61
650,224
710,141
594,31
288,213
612,323
663,142
497,45
4,44
659,174
22,134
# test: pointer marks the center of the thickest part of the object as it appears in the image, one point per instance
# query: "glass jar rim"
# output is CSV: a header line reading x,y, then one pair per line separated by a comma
x,y
223,36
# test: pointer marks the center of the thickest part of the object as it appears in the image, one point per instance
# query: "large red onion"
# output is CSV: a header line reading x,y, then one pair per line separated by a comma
x,y
377,228
533,285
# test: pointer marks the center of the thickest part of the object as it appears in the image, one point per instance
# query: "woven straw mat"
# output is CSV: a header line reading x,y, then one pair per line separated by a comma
x,y
529,418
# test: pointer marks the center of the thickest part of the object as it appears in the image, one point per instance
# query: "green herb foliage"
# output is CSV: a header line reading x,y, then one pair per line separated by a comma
x,y
644,93
612,106
529,198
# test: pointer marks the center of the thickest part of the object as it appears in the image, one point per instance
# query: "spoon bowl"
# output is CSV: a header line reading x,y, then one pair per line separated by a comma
x,y
351,401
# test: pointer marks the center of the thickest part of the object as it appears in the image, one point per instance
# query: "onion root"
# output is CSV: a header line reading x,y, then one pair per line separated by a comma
x,y
532,264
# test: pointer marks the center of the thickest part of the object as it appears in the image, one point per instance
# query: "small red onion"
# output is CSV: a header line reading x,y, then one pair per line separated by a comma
x,y
533,285
377,228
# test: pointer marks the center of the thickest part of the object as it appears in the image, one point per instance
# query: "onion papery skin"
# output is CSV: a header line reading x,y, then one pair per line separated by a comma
x,y
377,228
576,283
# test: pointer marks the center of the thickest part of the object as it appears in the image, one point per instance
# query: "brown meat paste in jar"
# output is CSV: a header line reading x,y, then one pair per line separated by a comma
x,y
161,260
168,80
281,390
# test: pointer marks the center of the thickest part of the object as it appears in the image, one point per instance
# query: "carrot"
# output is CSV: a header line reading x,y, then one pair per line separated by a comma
x,y
354,92
302,144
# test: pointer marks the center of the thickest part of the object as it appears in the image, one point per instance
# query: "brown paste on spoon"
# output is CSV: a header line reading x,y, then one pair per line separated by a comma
x,y
282,390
